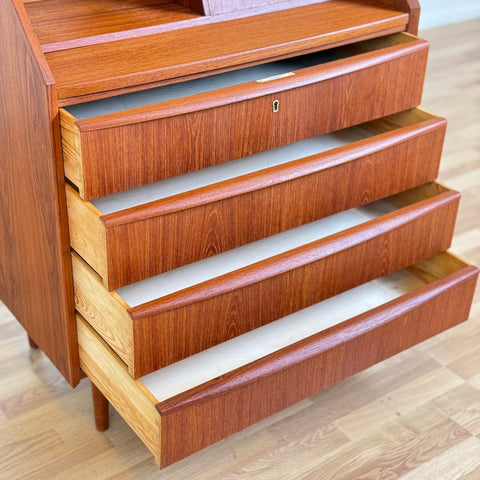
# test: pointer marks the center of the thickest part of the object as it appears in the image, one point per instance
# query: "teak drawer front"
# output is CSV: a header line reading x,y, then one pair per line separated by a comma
x,y
135,243
109,153
162,328
177,426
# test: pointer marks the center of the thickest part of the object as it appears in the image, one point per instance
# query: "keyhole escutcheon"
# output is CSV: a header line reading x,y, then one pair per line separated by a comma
x,y
276,106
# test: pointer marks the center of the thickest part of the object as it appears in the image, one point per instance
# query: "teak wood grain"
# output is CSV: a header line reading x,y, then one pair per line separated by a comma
x,y
215,409
133,62
60,20
133,32
127,149
35,270
126,395
58,29
212,411
183,323
139,242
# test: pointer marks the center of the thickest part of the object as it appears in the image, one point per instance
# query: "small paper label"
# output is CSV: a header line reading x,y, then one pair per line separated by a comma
x,y
275,77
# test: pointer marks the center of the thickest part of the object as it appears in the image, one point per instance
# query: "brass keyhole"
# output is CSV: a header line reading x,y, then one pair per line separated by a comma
x,y
276,106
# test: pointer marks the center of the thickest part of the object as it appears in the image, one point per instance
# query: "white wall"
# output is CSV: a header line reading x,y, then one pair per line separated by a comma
x,y
442,12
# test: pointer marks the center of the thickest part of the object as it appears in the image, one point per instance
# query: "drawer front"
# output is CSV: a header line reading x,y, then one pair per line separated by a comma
x,y
155,333
118,151
404,152
203,414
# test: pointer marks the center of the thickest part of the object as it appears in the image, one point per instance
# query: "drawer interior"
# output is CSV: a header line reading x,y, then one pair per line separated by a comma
x,y
184,277
251,346
263,73
162,319
239,351
253,163
397,307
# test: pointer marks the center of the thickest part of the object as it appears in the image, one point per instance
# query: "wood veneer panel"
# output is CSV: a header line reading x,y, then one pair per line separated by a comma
x,y
175,54
132,402
196,20
197,318
180,324
197,224
124,150
35,271
212,411
61,20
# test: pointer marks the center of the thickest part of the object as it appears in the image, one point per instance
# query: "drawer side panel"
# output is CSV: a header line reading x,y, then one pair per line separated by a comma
x,y
125,394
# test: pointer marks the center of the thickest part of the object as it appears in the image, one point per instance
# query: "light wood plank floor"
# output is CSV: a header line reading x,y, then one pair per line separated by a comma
x,y
415,416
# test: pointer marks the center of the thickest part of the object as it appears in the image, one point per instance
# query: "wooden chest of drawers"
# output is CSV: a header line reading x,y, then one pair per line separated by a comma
x,y
219,210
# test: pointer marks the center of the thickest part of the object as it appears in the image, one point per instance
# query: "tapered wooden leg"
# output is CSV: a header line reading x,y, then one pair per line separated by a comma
x,y
100,409
31,342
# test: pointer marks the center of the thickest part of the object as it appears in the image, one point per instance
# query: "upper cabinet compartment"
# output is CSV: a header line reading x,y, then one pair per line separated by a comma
x,y
62,21
102,48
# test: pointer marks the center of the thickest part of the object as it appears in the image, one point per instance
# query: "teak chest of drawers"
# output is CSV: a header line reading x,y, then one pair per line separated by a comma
x,y
215,209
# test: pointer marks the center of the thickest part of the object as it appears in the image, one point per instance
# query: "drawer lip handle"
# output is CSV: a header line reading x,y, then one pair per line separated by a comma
x,y
250,90
319,343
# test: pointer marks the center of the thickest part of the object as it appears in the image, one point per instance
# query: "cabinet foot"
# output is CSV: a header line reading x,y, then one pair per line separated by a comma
x,y
100,409
31,342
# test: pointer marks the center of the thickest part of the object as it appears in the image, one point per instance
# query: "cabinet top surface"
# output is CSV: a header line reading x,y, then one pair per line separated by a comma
x,y
192,49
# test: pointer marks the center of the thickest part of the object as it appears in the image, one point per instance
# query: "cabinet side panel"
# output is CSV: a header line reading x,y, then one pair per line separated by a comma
x,y
35,271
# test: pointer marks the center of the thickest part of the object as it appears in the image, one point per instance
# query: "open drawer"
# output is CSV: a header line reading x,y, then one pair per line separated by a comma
x,y
130,140
185,407
199,214
161,320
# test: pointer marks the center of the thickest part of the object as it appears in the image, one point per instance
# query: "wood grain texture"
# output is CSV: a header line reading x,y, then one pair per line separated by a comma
x,y
87,233
178,325
219,217
419,409
35,272
114,382
107,314
394,76
225,405
60,20
194,20
168,55
194,419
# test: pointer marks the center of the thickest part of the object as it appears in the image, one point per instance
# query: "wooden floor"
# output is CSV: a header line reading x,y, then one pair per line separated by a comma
x,y
415,416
